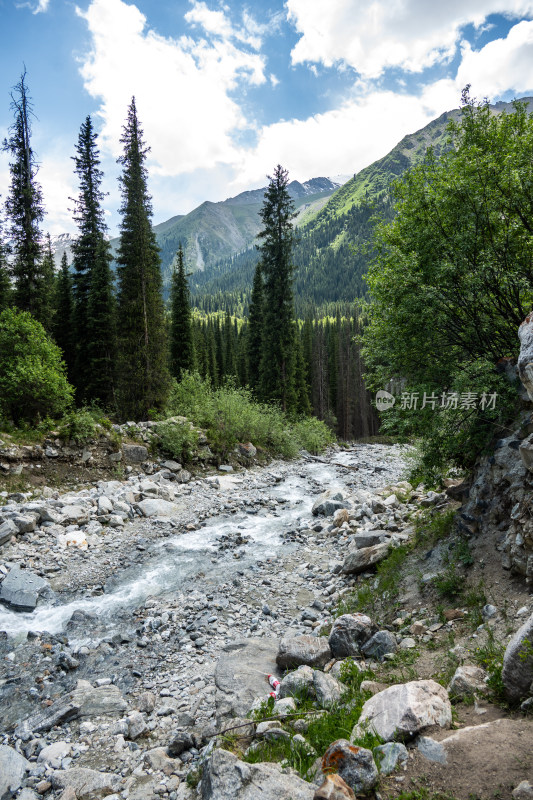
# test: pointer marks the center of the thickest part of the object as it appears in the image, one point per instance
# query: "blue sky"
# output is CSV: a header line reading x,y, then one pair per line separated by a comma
x,y
225,90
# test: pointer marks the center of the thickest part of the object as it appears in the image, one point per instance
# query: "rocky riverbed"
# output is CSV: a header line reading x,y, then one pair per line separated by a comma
x,y
141,617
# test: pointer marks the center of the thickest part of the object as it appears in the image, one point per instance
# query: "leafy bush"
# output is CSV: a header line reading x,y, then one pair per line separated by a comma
x,y
78,425
33,381
231,415
177,440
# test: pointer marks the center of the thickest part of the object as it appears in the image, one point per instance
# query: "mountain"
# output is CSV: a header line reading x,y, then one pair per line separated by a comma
x,y
334,247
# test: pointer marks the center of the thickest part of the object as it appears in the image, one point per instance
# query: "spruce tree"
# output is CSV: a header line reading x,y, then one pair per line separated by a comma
x,y
63,316
5,282
143,377
254,341
230,366
278,353
94,307
46,297
24,209
181,342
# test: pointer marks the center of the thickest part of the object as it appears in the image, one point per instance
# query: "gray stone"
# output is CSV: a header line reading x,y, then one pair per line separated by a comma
x,y
26,523
105,506
171,465
524,791
7,530
360,560
284,707
431,749
225,777
327,504
21,589
136,725
401,711
380,644
354,764
525,358
299,683
296,650
349,633
156,508
360,541
94,701
87,783
389,756
54,754
240,675
13,767
74,515
247,450
134,453
517,672
328,690
146,702
180,742
467,682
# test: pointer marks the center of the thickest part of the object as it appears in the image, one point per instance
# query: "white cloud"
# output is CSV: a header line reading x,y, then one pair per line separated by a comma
x,y
409,34
182,86
502,65
42,5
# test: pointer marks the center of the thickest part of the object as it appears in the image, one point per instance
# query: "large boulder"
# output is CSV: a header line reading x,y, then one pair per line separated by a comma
x,y
241,675
328,689
156,508
226,778
517,672
328,503
402,711
379,645
134,453
21,589
298,683
355,765
349,633
13,766
88,784
467,682
525,358
360,559
296,650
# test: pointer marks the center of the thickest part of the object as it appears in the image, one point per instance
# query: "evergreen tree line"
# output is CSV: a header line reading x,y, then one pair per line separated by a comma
x,y
110,326
328,362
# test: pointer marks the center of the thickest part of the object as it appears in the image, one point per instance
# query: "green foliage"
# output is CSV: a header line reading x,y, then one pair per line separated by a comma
x,y
78,425
451,283
181,344
430,527
450,583
33,382
63,317
231,415
490,657
278,357
143,378
376,596
177,440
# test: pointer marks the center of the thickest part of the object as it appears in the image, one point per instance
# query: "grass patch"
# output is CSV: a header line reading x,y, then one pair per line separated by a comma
x,y
490,657
377,596
430,527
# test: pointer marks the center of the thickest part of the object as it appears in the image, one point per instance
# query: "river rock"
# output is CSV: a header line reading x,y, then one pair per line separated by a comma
x,y
359,560
7,530
402,711
299,683
180,742
156,508
467,681
54,754
21,589
296,650
334,788
355,765
96,700
136,725
327,504
13,767
241,675
389,755
349,633
328,690
361,541
379,645
517,672
225,777
134,453
74,515
524,791
87,783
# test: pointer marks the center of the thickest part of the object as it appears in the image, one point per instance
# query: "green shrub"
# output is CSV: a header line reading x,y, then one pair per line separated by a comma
x,y
231,415
78,425
33,381
177,440
490,657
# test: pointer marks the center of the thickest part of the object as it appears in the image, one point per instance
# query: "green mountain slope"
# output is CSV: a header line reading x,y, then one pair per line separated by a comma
x,y
334,244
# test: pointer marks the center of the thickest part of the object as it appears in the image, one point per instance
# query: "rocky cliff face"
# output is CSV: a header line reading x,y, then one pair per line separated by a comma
x,y
500,499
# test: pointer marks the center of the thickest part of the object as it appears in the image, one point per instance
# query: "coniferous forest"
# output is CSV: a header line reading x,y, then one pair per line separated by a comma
x,y
113,342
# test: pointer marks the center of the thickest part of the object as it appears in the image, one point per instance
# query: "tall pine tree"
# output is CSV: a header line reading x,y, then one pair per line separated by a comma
x,y
278,354
94,308
143,377
254,336
24,209
63,333
5,283
181,341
